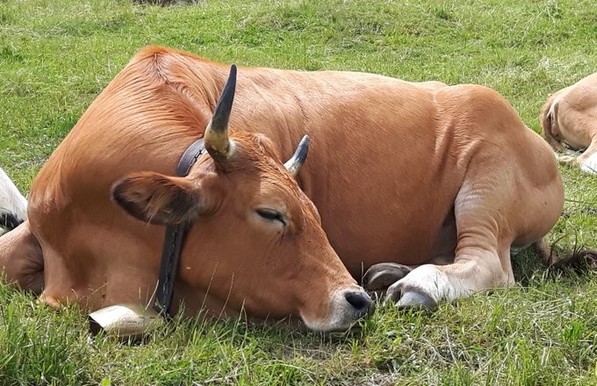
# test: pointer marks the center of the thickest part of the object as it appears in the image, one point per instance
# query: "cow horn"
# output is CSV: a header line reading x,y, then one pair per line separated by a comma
x,y
298,158
124,321
217,143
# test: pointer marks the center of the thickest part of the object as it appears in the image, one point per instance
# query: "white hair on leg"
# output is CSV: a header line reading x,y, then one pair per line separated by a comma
x,y
590,164
429,281
13,206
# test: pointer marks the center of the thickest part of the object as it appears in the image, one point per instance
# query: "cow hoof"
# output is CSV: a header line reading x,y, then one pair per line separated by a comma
x,y
381,276
413,300
565,159
123,321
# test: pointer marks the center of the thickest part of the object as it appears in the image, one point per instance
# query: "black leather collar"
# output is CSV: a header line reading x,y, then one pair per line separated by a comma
x,y
174,238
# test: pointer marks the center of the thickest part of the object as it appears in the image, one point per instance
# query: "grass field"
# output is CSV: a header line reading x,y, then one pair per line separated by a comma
x,y
56,56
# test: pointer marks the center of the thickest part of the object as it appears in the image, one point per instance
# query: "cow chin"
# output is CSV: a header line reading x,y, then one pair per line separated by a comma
x,y
346,308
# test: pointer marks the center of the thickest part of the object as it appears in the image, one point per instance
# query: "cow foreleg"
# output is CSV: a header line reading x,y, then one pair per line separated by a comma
x,y
21,259
587,160
482,255
568,158
473,270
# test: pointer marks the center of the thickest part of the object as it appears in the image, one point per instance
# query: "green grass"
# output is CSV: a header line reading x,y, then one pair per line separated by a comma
x,y
56,56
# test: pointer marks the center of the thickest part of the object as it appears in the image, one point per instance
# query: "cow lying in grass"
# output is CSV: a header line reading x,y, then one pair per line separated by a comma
x,y
427,187
569,122
13,206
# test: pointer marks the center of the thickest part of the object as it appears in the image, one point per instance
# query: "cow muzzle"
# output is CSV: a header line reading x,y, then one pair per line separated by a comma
x,y
347,307
124,320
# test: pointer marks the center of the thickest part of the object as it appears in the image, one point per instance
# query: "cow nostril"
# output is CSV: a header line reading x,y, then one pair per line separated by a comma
x,y
360,301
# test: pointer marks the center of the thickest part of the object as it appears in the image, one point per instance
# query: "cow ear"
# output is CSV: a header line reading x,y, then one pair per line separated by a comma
x,y
158,199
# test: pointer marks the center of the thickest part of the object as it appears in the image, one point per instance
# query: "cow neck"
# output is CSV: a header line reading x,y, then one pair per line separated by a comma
x,y
174,238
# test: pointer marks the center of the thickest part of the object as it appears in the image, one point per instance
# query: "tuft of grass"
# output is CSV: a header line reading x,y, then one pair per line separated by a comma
x,y
38,345
56,56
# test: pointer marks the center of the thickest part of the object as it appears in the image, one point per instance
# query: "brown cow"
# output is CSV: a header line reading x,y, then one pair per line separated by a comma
x,y
569,119
444,179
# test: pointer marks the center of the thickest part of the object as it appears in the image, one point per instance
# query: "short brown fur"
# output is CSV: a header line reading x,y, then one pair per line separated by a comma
x,y
570,117
400,172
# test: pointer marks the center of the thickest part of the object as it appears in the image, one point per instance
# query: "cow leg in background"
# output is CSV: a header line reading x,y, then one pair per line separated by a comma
x,y
588,159
13,206
21,259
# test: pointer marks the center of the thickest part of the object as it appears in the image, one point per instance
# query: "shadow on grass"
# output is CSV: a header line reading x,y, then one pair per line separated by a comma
x,y
528,267
165,3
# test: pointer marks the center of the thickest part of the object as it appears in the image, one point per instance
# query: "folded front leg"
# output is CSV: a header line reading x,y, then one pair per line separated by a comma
x,y
428,284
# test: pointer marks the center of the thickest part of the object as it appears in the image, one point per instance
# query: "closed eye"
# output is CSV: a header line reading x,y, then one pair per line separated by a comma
x,y
271,215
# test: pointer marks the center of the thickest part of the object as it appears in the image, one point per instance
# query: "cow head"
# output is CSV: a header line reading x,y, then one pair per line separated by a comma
x,y
259,243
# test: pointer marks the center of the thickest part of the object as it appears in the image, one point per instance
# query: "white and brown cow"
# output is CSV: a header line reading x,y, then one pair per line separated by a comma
x,y
569,119
13,206
444,179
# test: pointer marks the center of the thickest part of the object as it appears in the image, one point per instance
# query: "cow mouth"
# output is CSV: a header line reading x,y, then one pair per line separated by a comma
x,y
347,307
